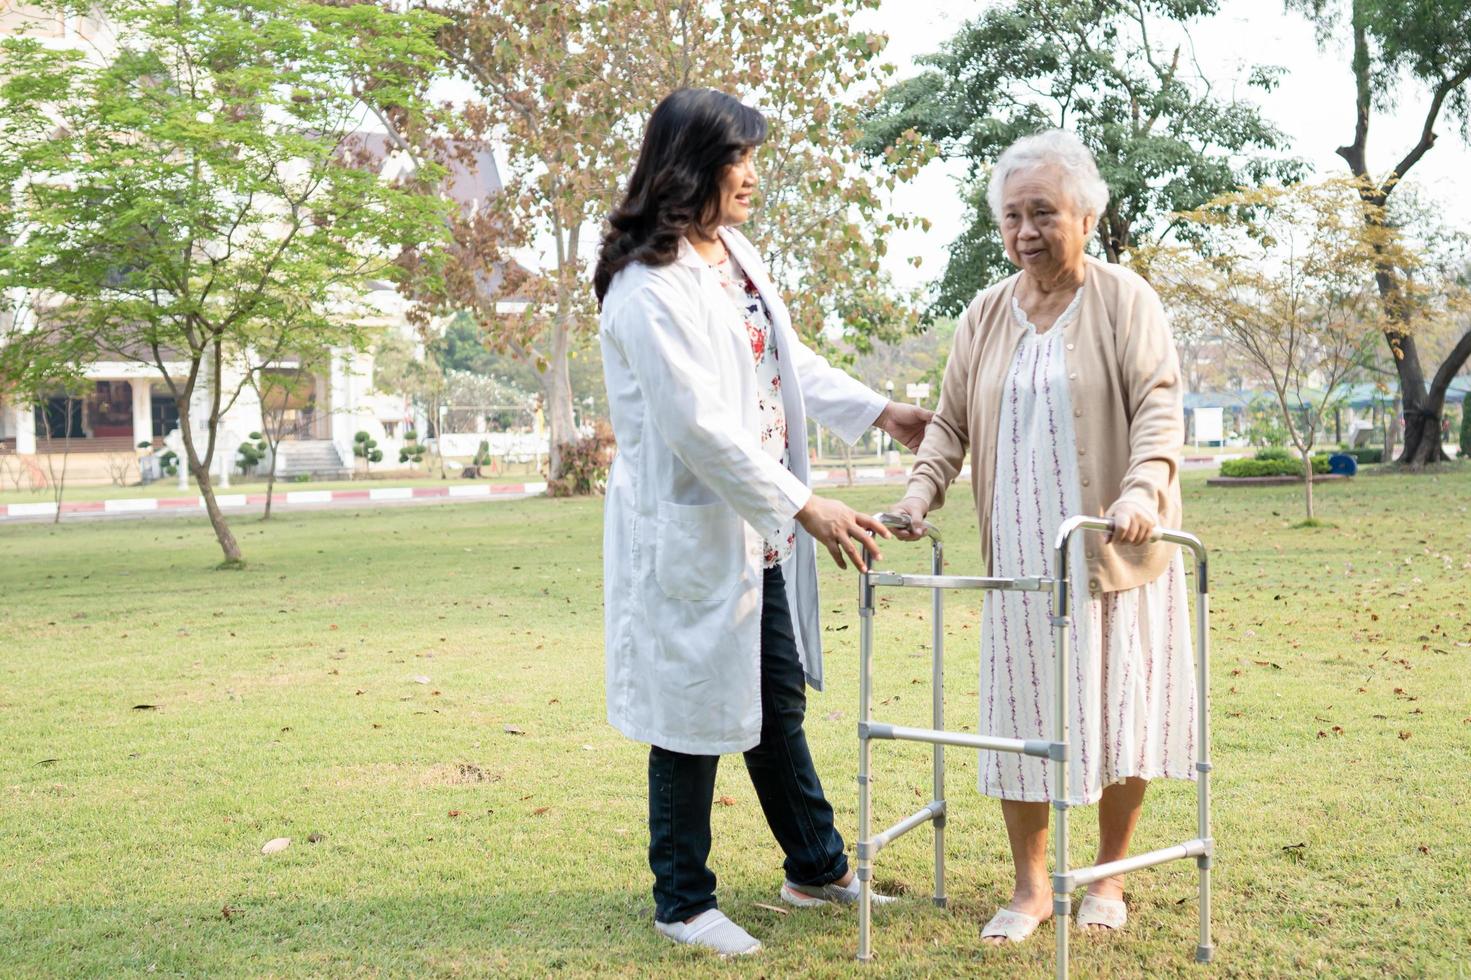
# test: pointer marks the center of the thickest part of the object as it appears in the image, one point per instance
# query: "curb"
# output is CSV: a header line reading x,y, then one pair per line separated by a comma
x,y
298,498
290,498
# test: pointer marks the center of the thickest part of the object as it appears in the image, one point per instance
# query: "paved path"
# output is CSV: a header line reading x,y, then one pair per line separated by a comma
x,y
449,493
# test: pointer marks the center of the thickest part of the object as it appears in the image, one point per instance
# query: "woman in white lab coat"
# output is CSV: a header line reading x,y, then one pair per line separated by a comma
x,y
710,565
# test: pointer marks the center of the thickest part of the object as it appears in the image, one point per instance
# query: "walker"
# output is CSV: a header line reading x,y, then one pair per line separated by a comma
x,y
1064,879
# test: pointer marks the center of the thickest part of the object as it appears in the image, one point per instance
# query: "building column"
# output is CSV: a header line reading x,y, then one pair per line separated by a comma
x,y
23,424
142,411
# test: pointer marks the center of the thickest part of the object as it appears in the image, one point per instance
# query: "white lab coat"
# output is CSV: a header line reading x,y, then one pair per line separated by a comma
x,y
692,494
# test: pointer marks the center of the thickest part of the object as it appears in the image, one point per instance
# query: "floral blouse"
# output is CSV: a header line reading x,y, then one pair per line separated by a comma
x,y
747,300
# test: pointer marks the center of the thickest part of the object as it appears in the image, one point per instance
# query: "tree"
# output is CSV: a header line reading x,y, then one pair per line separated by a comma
x,y
1428,41
1285,275
365,448
275,391
1120,74
193,188
416,374
566,87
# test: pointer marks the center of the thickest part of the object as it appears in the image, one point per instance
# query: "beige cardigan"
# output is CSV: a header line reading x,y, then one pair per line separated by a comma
x,y
1124,383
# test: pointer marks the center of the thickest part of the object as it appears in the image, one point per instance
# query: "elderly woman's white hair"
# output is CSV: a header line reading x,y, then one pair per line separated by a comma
x,y
1051,148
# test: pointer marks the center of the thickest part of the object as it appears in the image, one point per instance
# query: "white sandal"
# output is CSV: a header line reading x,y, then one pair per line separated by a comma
x,y
1011,926
1107,913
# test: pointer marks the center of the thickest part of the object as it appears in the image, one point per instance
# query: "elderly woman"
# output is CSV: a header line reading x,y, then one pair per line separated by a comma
x,y
1063,384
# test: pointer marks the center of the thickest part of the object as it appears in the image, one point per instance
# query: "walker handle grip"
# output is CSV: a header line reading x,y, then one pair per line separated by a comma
x,y
902,522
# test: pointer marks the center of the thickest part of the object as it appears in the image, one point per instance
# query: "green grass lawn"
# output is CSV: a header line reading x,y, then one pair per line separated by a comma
x,y
356,688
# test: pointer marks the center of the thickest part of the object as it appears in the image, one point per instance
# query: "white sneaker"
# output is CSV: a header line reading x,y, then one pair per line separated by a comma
x,y
712,930
811,896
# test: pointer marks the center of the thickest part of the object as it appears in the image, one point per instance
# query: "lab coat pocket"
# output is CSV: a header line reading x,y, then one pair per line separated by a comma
x,y
699,552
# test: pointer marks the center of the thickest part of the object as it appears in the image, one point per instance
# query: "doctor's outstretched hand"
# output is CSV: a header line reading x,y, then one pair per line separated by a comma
x,y
905,422
841,529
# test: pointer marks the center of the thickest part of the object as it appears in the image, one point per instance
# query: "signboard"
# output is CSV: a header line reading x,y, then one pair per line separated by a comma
x,y
1209,426
917,392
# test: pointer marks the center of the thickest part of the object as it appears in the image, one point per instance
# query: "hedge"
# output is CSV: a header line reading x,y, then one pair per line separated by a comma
x,y
1270,467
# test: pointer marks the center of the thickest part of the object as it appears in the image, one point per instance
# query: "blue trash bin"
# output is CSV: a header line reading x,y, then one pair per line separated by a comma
x,y
1343,464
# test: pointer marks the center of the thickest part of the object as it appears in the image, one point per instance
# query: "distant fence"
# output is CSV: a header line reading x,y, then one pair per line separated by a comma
x,y
514,447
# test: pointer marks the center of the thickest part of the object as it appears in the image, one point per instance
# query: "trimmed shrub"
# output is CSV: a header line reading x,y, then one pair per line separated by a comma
x,y
1373,454
1271,467
1273,452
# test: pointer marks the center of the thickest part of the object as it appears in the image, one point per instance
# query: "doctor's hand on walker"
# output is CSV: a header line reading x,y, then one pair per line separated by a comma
x,y
841,530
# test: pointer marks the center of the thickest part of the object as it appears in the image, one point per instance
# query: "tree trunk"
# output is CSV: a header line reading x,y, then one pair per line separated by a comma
x,y
556,386
271,480
1307,481
199,468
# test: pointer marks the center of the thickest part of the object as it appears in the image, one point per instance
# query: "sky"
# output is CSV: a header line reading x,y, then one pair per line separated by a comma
x,y
1313,106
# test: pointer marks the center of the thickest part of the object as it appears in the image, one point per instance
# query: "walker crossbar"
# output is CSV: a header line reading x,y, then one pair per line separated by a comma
x,y
1064,880
1028,746
961,582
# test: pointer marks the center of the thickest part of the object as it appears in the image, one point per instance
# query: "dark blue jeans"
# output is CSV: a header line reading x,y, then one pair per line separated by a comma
x,y
682,787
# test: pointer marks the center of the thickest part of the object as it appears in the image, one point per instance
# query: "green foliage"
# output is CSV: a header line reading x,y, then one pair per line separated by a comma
x,y
482,454
411,451
1367,455
1273,452
168,463
585,463
251,452
194,194
1272,466
1264,425
365,448
1107,71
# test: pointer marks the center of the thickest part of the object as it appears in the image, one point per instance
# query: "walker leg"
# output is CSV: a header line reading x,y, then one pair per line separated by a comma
x,y
1204,950
1062,903
864,872
937,687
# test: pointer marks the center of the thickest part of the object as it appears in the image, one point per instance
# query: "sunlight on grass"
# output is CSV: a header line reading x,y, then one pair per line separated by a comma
x,y
415,698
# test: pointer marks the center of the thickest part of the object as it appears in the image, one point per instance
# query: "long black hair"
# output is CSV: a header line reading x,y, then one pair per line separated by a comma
x,y
693,135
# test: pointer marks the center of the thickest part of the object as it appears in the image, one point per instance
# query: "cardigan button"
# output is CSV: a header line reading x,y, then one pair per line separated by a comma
x,y
1082,451
1085,481
1077,413
1069,346
1093,585
1073,376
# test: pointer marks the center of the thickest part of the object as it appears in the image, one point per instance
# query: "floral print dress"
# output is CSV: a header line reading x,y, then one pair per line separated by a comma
x,y
747,299
1133,693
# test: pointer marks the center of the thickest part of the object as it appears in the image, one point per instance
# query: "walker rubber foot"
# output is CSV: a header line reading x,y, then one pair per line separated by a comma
x,y
941,901
1204,954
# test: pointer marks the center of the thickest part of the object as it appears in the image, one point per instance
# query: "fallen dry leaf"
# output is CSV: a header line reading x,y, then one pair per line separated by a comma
x,y
514,730
727,801
540,810
276,845
770,908
1404,736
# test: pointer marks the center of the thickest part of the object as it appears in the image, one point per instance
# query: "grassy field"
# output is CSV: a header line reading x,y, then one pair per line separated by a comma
x,y
414,697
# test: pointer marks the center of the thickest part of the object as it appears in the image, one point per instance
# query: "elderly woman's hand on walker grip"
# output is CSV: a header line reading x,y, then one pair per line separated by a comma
x,y
914,509
1132,524
841,529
